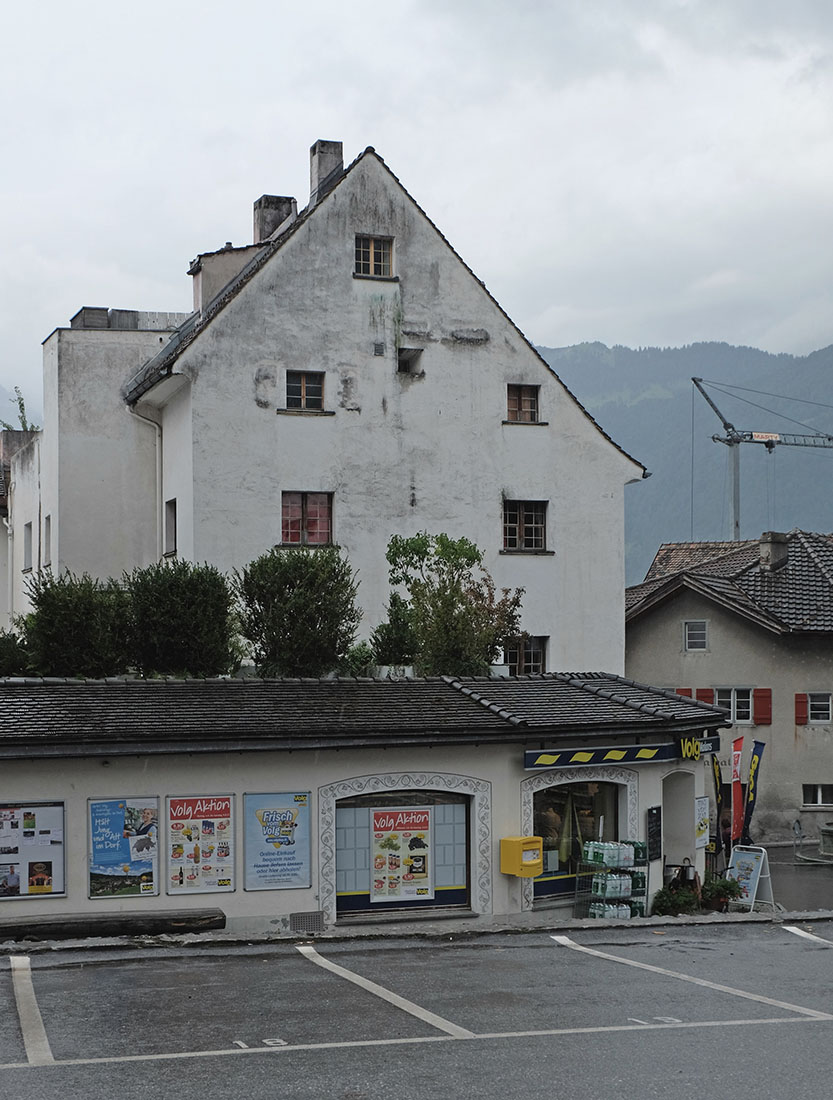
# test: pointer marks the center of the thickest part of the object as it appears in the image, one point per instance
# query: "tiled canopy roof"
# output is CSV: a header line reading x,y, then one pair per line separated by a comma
x,y
795,596
53,718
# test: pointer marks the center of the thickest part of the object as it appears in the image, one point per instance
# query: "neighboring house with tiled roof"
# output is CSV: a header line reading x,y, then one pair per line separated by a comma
x,y
268,798
749,626
344,377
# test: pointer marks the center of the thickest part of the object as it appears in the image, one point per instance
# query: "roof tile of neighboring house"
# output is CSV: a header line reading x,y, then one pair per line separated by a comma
x,y
796,596
54,718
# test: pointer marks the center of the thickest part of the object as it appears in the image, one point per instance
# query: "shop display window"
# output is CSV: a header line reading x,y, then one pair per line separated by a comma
x,y
565,817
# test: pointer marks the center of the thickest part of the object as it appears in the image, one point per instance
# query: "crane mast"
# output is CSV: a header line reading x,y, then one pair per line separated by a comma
x,y
733,439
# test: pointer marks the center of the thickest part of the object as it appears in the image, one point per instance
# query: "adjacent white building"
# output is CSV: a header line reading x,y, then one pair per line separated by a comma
x,y
343,378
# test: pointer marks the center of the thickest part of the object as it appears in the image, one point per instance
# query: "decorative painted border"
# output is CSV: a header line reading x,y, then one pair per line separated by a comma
x,y
539,780
479,790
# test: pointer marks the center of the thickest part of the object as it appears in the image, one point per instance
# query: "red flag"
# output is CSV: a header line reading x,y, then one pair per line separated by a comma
x,y
737,791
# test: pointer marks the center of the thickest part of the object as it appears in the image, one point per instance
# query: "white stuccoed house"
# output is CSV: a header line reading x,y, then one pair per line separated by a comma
x,y
343,378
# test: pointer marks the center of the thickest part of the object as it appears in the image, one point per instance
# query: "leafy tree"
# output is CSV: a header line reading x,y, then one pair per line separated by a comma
x,y
13,656
298,610
182,620
77,627
459,624
393,641
24,424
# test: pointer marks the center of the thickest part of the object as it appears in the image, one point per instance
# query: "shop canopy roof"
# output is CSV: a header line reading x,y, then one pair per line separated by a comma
x,y
62,718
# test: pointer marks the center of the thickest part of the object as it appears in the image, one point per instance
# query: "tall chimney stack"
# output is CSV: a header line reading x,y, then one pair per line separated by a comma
x,y
325,165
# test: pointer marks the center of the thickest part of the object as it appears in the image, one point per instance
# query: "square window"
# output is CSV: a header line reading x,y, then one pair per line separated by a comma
x,y
817,794
306,519
818,706
526,655
738,702
522,404
304,390
373,256
696,635
524,525
407,360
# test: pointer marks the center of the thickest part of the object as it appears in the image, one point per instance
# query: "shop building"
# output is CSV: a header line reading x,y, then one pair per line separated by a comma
x,y
297,804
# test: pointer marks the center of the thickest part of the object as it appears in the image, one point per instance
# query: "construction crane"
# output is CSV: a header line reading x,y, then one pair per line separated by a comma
x,y
733,439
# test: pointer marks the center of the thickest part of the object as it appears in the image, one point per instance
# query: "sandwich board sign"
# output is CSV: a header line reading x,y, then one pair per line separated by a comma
x,y
749,866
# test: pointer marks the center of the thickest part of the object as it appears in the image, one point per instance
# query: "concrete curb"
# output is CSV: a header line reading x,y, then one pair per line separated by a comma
x,y
439,931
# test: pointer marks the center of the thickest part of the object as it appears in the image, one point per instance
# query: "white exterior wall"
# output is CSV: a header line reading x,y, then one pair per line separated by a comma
x,y
492,776
96,474
740,654
401,454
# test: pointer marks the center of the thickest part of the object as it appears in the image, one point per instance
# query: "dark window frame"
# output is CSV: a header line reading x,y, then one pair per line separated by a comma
x,y
308,501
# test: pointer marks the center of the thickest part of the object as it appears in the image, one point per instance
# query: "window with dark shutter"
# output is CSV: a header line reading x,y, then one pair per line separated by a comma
x,y
762,706
801,709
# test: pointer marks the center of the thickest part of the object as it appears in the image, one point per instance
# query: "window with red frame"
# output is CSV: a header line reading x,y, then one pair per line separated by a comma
x,y
306,519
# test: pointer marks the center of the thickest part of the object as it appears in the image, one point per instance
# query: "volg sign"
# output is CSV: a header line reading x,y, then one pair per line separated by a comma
x,y
693,747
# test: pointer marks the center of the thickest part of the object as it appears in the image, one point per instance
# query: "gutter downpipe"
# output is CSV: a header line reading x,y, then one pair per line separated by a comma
x,y
157,430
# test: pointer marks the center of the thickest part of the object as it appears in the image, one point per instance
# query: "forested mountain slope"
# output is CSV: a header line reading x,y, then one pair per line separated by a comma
x,y
645,400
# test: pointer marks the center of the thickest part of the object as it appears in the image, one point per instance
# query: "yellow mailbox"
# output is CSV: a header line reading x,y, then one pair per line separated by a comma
x,y
522,856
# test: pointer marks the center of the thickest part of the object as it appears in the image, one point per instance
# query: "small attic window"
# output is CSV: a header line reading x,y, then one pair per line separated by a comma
x,y
373,256
408,360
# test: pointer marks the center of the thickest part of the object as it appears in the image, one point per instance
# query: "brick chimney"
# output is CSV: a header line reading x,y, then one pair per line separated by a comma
x,y
325,166
271,211
774,551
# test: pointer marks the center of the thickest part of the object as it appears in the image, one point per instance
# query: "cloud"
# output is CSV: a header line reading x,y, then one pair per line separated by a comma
x,y
597,164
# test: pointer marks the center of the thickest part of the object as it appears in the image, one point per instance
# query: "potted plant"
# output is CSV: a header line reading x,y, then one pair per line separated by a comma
x,y
717,892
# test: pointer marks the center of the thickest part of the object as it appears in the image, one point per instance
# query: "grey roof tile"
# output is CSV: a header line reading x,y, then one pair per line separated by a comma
x,y
86,717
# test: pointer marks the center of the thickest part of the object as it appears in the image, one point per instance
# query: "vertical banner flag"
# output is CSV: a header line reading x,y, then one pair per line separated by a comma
x,y
718,801
737,791
752,787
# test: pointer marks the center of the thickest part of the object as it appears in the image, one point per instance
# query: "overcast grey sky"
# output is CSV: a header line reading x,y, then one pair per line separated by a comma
x,y
631,171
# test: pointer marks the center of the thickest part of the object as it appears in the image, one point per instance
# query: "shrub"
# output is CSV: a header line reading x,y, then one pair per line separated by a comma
x,y
394,642
77,627
181,620
13,656
298,610
672,903
358,661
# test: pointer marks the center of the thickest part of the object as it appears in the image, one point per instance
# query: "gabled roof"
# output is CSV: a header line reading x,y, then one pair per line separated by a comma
x,y
161,365
795,596
61,718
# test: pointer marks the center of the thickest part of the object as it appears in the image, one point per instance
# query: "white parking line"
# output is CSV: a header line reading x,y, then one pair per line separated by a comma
x,y
807,935
31,1024
565,941
237,1052
386,995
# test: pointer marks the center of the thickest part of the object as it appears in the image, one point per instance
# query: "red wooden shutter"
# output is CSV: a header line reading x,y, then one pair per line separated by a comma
x,y
684,691
802,712
705,695
762,706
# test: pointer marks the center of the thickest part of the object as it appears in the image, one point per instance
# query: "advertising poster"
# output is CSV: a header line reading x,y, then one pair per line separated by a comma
x,y
701,822
31,849
124,847
276,840
400,854
200,844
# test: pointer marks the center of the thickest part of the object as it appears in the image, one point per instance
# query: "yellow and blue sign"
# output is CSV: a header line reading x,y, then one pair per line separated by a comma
x,y
688,748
